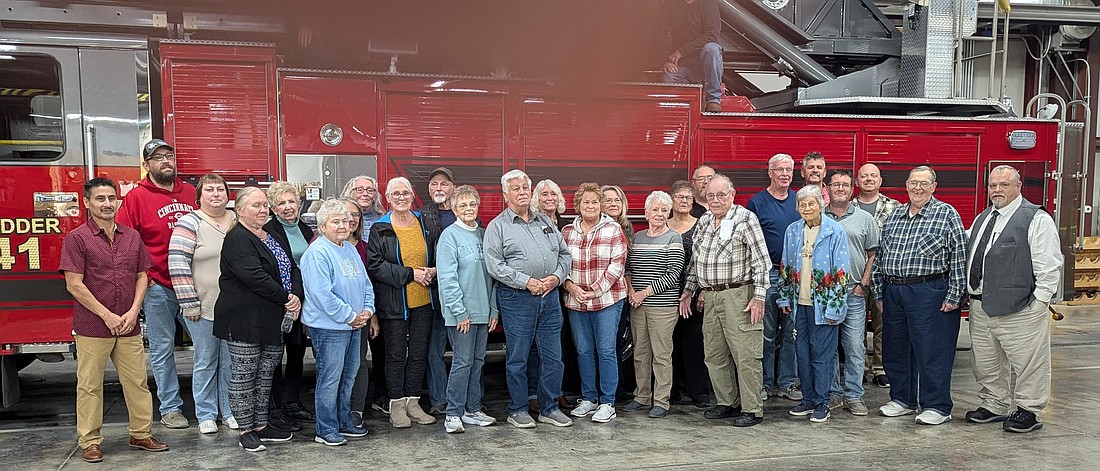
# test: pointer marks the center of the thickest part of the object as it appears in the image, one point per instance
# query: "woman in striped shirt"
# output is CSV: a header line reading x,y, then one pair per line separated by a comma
x,y
653,281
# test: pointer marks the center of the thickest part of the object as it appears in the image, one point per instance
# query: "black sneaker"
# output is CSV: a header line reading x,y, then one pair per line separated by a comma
x,y
281,420
298,412
982,415
1022,421
881,381
251,442
748,420
381,404
722,412
273,434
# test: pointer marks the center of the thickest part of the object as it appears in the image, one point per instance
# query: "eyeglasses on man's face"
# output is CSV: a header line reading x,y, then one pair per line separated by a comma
x,y
919,184
161,158
717,196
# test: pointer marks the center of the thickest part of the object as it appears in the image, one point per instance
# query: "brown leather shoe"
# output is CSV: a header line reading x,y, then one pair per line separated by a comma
x,y
533,406
713,107
564,403
92,454
148,444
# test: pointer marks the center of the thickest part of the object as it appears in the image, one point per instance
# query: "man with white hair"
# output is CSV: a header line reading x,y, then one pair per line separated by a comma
x,y
525,253
437,216
1014,262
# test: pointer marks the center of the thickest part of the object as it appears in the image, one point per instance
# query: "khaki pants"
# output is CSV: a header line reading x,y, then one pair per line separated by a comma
x,y
128,355
652,329
1019,341
733,347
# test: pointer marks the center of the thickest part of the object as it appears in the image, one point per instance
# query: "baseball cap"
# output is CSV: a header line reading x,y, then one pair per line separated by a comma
x,y
152,146
445,171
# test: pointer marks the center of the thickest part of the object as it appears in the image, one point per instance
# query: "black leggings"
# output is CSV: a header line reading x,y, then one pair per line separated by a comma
x,y
407,351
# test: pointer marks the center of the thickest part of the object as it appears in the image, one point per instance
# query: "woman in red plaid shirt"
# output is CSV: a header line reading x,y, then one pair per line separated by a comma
x,y
596,290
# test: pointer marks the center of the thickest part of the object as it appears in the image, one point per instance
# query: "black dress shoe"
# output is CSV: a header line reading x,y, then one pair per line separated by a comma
x,y
746,420
1022,421
982,415
298,412
703,401
722,412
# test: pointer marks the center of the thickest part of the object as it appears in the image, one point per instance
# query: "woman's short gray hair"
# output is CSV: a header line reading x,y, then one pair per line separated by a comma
x,y
329,208
512,175
245,193
658,197
810,191
548,183
395,181
462,192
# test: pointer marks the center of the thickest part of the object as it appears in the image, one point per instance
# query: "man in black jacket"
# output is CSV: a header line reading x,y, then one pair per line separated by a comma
x,y
437,215
693,27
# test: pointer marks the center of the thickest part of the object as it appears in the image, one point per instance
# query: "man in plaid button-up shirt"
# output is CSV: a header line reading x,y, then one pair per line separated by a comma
x,y
730,264
919,278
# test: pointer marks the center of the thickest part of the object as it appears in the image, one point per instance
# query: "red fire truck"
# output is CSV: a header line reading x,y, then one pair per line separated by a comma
x,y
75,106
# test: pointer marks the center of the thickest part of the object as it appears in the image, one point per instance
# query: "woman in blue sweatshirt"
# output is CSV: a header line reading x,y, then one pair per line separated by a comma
x,y
469,309
340,301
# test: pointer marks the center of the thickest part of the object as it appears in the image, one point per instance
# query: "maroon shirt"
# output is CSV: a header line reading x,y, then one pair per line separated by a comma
x,y
110,272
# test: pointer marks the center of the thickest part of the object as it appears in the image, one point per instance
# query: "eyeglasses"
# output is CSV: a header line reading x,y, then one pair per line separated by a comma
x,y
355,215
717,196
613,201
919,184
840,185
470,205
703,178
401,195
161,158
682,197
360,189
782,170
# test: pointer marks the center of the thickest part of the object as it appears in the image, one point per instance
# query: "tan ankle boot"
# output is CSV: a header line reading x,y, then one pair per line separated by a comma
x,y
412,408
398,417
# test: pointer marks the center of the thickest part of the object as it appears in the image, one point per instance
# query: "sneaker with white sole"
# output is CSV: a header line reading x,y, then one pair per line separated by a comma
x,y
764,394
208,426
332,439
931,417
521,419
801,410
836,402
231,423
584,407
273,434
478,418
453,424
556,418
894,409
792,392
856,406
604,414
357,418
251,442
821,414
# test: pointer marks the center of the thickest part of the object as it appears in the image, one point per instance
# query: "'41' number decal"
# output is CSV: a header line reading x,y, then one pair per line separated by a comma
x,y
30,247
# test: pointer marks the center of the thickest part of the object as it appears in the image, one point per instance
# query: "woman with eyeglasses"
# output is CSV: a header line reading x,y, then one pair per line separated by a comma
x,y
813,287
370,331
364,190
689,370
294,236
401,266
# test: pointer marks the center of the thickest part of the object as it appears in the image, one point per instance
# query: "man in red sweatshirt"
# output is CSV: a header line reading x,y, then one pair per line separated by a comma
x,y
153,208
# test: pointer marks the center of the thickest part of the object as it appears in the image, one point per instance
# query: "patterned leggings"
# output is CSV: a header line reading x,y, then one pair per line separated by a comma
x,y
250,384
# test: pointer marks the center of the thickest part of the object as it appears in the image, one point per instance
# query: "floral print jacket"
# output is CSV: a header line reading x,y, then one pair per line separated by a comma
x,y
831,260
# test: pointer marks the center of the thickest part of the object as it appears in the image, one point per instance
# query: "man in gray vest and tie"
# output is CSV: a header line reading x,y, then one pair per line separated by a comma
x,y
1014,264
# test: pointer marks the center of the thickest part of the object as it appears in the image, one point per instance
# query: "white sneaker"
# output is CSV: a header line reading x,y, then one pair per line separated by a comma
x,y
604,414
208,426
231,423
893,409
931,417
453,424
478,418
583,408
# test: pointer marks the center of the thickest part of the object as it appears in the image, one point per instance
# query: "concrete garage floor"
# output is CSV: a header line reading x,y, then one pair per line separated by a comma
x,y
39,433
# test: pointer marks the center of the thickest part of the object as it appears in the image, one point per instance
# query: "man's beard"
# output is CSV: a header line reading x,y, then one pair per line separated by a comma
x,y
164,177
439,199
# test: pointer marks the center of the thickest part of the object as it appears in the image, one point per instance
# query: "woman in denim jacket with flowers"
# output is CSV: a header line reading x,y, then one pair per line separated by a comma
x,y
813,280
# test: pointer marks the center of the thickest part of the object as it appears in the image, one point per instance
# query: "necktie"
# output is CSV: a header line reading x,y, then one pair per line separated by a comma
x,y
979,255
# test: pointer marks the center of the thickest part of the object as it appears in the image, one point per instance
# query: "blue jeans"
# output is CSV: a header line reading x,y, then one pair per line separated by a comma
x,y
705,67
816,356
161,312
918,344
210,377
594,333
531,319
464,389
778,324
853,337
337,355
437,368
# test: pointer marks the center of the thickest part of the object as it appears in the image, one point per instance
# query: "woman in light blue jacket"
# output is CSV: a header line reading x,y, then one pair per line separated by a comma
x,y
813,283
339,303
469,309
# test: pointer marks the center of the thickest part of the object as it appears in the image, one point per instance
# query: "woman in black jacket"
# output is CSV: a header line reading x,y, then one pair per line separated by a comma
x,y
294,236
400,264
261,292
